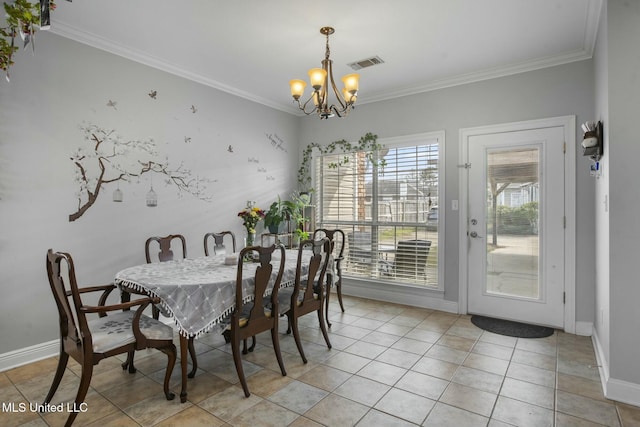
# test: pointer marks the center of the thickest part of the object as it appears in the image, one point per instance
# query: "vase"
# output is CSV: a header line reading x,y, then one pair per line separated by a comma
x,y
250,239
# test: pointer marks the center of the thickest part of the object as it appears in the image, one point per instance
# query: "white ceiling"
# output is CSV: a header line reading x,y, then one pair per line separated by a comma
x,y
252,48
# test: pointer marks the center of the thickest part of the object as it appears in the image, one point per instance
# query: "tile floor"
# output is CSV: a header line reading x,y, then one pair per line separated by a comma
x,y
390,365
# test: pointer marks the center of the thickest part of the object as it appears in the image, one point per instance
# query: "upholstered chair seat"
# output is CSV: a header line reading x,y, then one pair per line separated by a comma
x,y
115,330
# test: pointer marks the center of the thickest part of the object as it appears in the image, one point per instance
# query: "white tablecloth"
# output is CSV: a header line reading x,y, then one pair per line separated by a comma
x,y
198,293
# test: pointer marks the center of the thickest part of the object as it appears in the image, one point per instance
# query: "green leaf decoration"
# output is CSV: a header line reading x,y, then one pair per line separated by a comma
x,y
367,143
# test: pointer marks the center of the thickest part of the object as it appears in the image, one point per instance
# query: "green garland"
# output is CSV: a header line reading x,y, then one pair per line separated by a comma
x,y
367,143
22,16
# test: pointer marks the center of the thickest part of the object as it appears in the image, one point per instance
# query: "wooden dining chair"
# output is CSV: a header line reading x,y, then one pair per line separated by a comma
x,y
91,340
308,292
165,254
334,272
164,244
257,315
218,248
218,242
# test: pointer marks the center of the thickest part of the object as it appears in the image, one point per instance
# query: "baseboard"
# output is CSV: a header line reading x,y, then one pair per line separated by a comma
x,y
613,388
584,328
623,391
603,364
31,354
412,296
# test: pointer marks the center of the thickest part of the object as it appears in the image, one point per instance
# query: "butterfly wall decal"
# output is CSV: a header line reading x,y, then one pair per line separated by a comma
x,y
112,104
230,149
193,109
153,94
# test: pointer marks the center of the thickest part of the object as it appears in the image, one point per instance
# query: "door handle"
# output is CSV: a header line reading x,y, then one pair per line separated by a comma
x,y
474,235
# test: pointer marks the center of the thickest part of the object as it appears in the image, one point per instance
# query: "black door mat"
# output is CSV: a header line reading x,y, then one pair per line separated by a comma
x,y
509,328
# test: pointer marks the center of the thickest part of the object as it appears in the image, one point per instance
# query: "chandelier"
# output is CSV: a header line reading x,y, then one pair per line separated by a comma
x,y
320,79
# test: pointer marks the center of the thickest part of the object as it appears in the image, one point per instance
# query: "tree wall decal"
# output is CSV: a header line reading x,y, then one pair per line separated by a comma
x,y
106,157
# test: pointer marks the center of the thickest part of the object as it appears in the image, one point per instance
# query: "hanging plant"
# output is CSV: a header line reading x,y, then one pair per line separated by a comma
x,y
22,19
367,143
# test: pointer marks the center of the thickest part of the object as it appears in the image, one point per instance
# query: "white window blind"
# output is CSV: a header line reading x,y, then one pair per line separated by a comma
x,y
389,214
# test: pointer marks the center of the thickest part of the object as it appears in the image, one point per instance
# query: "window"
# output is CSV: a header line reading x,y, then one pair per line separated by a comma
x,y
389,214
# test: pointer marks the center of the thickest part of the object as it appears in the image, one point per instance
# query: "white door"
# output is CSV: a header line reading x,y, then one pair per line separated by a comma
x,y
516,225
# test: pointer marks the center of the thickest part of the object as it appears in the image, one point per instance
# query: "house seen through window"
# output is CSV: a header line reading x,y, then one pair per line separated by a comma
x,y
389,214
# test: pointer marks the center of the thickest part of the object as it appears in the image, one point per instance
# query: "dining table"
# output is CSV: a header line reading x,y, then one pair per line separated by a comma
x,y
198,294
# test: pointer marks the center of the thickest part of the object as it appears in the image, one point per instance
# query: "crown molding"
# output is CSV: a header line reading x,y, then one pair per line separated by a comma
x,y
89,39
482,75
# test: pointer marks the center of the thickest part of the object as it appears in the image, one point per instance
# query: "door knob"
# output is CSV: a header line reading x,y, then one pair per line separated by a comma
x,y
474,235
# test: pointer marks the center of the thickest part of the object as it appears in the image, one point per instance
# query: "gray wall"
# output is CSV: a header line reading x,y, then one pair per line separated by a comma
x,y
551,92
617,231
624,198
601,207
65,84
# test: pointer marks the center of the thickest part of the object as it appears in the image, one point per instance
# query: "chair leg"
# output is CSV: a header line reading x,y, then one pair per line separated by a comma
x,y
62,365
339,292
155,312
235,348
85,380
276,348
288,321
326,298
129,363
293,324
246,350
194,360
323,328
172,355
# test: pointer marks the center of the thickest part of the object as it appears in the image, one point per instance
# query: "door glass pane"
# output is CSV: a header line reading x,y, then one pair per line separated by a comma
x,y
512,222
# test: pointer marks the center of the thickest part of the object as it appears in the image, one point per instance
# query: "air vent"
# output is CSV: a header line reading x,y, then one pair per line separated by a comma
x,y
364,63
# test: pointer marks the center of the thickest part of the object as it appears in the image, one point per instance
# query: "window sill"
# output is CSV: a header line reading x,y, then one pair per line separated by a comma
x,y
397,293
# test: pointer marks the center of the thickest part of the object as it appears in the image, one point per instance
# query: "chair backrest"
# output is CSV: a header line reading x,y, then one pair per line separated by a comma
x,y
411,257
165,254
359,247
317,252
67,314
336,238
218,242
256,318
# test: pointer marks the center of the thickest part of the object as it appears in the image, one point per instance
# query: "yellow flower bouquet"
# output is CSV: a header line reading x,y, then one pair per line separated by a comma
x,y
251,215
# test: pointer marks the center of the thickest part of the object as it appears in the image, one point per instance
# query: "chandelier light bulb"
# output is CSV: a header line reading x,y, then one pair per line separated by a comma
x,y
351,83
348,97
317,77
297,88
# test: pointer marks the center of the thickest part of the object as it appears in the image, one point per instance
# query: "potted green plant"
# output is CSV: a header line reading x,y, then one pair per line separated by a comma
x,y
278,212
296,207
